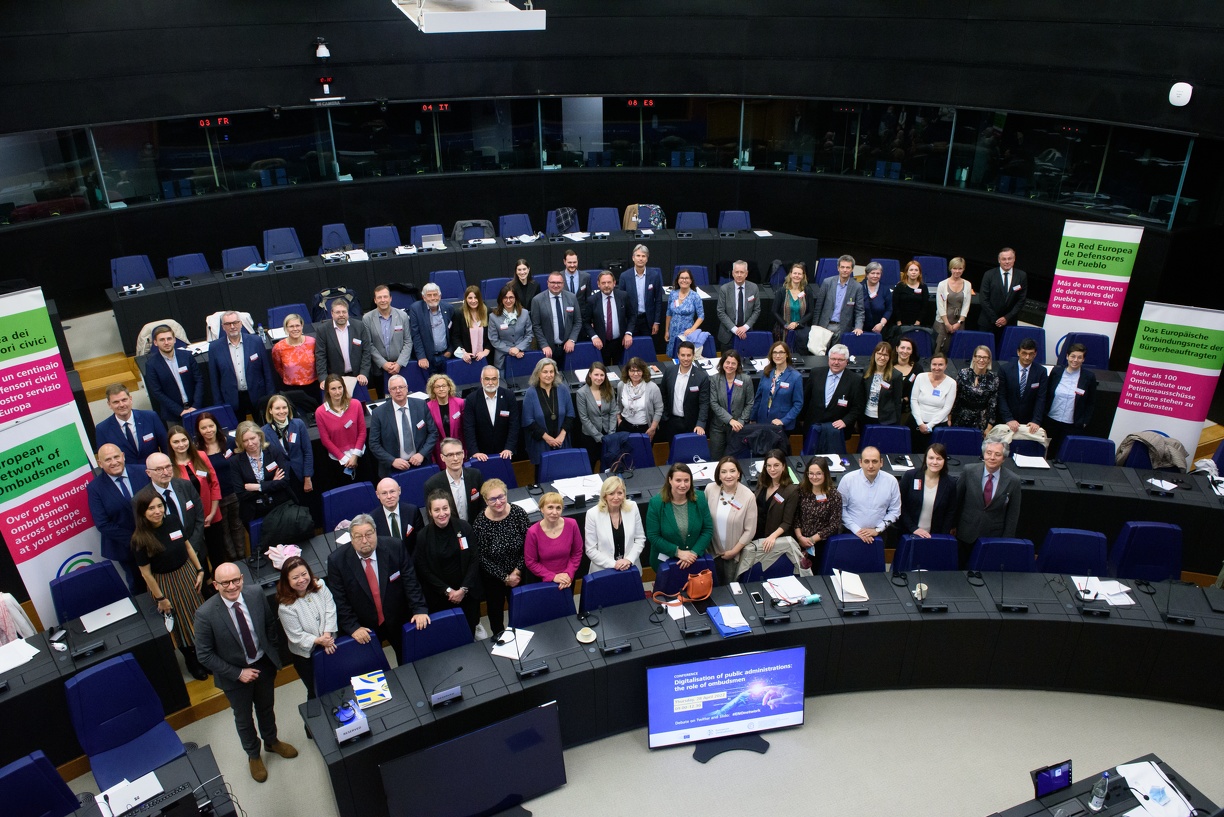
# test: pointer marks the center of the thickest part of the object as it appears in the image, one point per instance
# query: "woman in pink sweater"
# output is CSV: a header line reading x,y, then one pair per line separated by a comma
x,y
553,550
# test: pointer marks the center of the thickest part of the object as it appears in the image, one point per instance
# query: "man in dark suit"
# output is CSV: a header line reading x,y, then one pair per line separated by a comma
x,y
1001,295
490,418
401,433
138,433
430,325
610,319
239,367
989,499
556,320
110,504
172,378
461,484
581,285
1022,389
342,346
394,517
182,501
236,640
645,293
375,587
686,394
834,401
738,306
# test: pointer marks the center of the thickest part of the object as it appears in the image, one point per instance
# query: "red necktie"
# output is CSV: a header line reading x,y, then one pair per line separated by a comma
x,y
608,319
988,491
372,578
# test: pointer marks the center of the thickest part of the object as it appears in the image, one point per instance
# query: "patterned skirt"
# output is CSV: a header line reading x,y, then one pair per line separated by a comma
x,y
179,587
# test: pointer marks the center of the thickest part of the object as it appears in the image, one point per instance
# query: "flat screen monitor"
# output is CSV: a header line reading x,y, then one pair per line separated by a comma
x,y
521,758
1050,779
729,695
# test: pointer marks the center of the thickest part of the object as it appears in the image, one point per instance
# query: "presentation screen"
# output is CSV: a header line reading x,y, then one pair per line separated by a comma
x,y
730,695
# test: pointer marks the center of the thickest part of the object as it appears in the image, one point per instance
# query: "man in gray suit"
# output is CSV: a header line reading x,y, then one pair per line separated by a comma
x,y
236,640
556,319
401,433
840,305
739,306
342,347
988,498
390,335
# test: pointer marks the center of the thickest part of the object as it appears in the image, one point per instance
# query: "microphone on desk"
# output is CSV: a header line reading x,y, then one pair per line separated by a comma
x,y
1090,606
449,695
522,669
1003,605
615,648
925,605
110,812
849,609
686,630
1175,618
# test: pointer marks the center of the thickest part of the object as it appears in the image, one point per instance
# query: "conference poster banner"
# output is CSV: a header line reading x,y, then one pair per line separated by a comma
x,y
1172,374
45,461
1090,281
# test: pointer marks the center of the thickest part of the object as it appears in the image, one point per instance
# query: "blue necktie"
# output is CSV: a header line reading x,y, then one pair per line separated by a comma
x,y
122,483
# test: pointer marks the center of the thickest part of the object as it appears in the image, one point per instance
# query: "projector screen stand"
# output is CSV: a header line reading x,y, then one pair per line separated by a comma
x,y
707,750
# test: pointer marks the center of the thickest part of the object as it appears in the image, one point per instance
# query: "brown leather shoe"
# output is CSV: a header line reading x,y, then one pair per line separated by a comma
x,y
283,749
259,772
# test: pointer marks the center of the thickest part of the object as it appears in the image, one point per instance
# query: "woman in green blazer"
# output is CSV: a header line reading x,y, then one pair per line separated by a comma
x,y
677,525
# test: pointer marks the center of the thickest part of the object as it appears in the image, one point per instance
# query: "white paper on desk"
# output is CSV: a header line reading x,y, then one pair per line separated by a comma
x,y
1142,777
705,296
1161,485
835,463
1025,461
854,590
759,363
646,231
904,465
526,239
116,611
787,588
676,611
419,395
16,653
587,485
405,249
763,233
732,616
577,236
515,647
529,505
124,795
703,470
357,255
198,348
343,538
1115,593
476,242
276,333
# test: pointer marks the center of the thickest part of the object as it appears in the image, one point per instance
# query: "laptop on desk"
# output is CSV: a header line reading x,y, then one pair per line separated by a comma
x,y
433,241
103,616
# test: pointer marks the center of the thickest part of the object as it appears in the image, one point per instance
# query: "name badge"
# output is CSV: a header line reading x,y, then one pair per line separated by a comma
x,y
507,414
884,384
504,327
738,382
779,498
349,424
598,404
1034,385
148,438
254,357
463,545
751,298
394,576
734,504
270,467
228,454
850,302
201,474
408,529
911,377
694,388
843,402
917,290
420,424
175,535
356,341
821,498
455,416
1079,392
182,370
190,505
1016,288
292,437
474,495
650,286
935,392
569,309
784,385
918,485
397,329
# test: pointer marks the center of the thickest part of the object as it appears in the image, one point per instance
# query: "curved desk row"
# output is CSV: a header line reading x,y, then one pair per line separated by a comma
x,y
1132,652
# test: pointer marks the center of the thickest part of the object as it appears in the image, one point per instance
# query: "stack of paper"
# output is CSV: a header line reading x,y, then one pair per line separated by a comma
x,y
16,653
514,643
529,505
577,236
1090,587
587,485
1162,485
835,463
759,363
1023,461
370,689
728,620
787,588
901,463
703,470
849,587
582,373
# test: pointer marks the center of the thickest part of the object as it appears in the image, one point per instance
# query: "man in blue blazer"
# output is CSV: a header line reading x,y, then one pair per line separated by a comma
x,y
644,286
401,433
136,432
1022,389
110,504
239,368
172,378
430,321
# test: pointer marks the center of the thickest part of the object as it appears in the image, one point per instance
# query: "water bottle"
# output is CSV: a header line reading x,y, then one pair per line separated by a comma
x,y
1098,793
263,336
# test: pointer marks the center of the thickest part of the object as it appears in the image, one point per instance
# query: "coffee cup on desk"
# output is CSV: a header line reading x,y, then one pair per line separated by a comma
x,y
920,592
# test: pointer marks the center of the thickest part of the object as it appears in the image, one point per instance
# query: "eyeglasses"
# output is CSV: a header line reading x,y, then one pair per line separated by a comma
x,y
231,323
228,582
165,467
981,357
452,454
497,500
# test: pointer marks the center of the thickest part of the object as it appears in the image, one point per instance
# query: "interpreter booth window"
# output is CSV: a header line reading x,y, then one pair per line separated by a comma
x,y
1141,176
45,174
804,136
1035,157
271,149
385,139
487,134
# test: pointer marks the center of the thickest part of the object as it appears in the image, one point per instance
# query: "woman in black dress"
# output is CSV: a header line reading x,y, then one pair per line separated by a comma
x,y
501,530
448,561
171,569
977,393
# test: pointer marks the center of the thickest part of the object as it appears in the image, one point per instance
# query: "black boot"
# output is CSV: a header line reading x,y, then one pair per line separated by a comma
x,y
197,670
